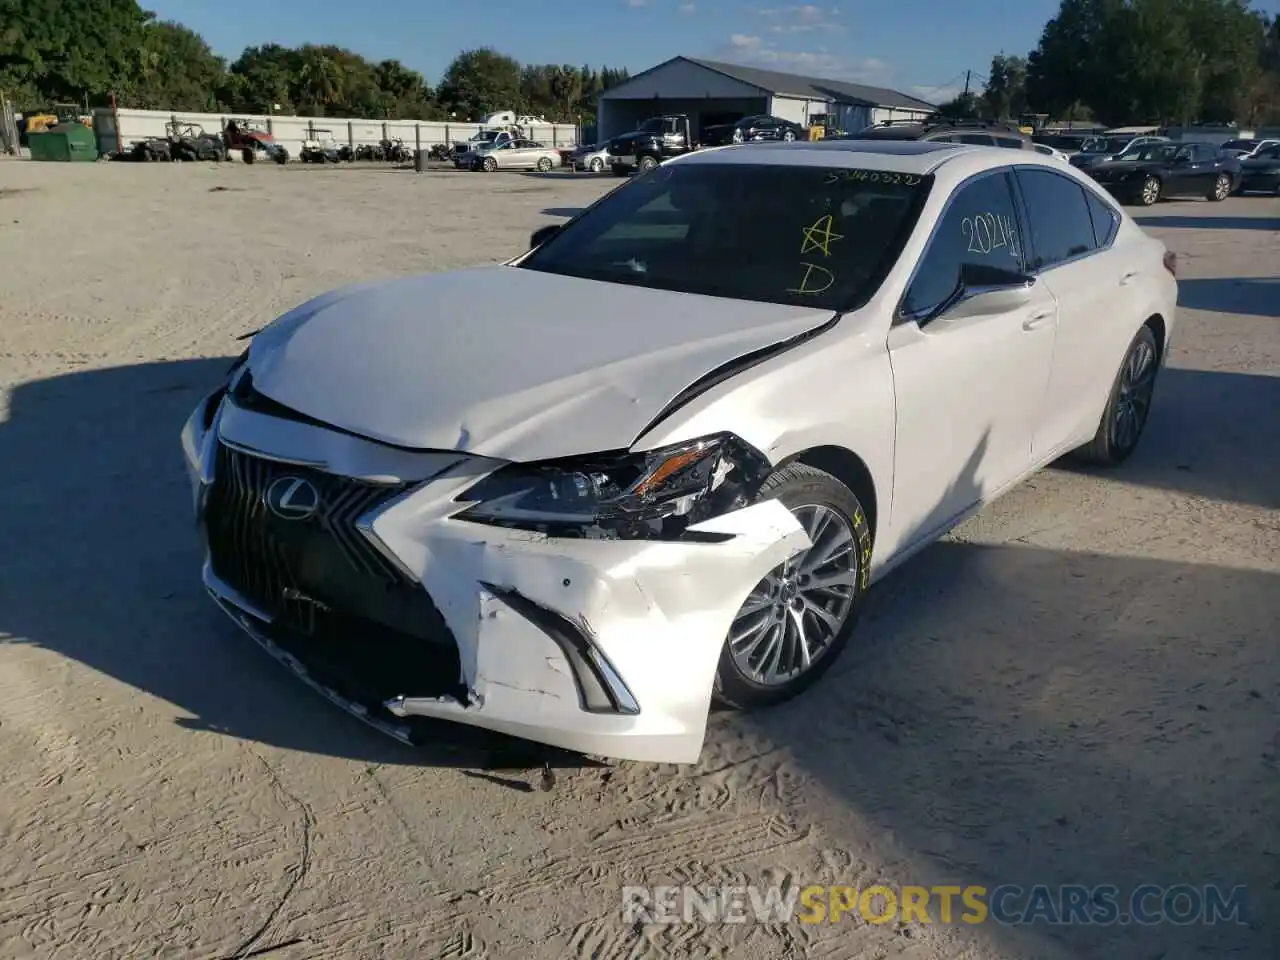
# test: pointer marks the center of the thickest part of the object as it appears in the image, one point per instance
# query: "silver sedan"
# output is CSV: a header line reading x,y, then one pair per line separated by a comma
x,y
517,155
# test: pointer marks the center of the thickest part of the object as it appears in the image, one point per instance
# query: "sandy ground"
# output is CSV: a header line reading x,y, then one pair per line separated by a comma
x,y
1080,685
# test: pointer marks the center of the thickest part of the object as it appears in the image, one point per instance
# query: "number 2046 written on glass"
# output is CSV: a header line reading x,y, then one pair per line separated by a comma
x,y
985,233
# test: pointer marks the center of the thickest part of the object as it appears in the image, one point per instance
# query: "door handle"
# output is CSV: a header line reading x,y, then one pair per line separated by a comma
x,y
1037,319
1128,278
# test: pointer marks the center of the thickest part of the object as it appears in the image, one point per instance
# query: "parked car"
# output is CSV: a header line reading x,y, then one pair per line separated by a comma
x,y
1260,172
465,151
516,155
251,141
656,140
753,128
987,133
1147,173
1101,149
580,527
1246,148
592,157
1066,143
1049,151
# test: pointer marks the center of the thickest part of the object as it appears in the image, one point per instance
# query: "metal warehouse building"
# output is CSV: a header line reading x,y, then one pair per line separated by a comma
x,y
711,92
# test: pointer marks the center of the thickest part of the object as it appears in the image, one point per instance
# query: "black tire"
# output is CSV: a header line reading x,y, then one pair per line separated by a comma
x,y
1221,188
1109,447
789,136
597,165
490,165
645,164
248,155
544,165
797,485
1148,191
619,170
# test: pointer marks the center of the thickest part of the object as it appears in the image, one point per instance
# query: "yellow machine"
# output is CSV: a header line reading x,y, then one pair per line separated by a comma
x,y
62,113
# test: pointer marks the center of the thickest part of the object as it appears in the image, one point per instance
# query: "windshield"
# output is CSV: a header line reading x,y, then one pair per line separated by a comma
x,y
1151,151
653,125
810,236
1268,153
1239,145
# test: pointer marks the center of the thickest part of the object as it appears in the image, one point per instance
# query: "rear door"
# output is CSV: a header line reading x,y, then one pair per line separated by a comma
x,y
1072,251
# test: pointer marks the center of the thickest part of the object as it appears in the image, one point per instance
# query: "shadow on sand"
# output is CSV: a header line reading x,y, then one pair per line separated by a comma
x,y
1069,728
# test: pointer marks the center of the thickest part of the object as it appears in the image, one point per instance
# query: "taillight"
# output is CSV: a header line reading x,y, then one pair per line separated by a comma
x,y
1171,262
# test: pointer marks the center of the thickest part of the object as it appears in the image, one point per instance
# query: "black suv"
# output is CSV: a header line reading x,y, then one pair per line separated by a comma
x,y
987,133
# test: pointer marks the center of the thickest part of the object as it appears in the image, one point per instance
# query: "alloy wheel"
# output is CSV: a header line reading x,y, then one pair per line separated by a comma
x,y
1223,187
1150,191
1137,382
793,615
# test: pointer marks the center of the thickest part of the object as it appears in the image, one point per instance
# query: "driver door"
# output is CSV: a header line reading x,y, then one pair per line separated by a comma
x,y
969,386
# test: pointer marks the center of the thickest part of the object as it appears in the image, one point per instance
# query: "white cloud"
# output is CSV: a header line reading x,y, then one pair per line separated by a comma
x,y
688,9
755,51
801,18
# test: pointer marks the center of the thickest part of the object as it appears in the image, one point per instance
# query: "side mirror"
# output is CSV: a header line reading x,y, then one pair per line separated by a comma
x,y
543,234
986,290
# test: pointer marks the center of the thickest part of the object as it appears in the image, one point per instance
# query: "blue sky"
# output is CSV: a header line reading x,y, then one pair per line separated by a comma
x,y
922,47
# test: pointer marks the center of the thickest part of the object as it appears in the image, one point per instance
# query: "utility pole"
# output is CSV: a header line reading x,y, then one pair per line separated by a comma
x,y
968,75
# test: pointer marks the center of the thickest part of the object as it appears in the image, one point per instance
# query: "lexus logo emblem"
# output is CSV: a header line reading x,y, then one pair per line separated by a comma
x,y
292,498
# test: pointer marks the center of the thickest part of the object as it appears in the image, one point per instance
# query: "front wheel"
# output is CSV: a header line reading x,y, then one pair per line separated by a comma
x,y
789,136
490,164
1149,192
1125,415
646,164
597,165
795,622
544,165
1221,188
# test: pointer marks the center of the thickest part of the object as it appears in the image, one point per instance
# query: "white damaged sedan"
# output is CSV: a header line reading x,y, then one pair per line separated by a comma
x,y
801,364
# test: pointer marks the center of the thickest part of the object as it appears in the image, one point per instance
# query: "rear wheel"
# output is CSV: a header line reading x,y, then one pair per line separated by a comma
x,y
490,164
796,620
1125,415
1149,191
789,136
1221,188
544,164
645,164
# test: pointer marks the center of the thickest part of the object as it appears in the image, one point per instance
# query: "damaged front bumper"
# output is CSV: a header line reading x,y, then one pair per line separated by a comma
x,y
605,647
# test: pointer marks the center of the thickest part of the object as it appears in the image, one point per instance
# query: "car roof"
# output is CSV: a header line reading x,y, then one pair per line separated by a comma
x,y
961,160
897,156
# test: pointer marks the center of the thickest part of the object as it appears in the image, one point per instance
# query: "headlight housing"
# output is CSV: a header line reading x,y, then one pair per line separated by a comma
x,y
652,495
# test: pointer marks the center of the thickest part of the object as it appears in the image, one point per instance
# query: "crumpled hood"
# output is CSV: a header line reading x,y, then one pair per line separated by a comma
x,y
505,362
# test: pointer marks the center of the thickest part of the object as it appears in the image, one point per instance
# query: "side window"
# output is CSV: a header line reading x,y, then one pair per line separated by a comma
x,y
1106,222
979,227
1059,217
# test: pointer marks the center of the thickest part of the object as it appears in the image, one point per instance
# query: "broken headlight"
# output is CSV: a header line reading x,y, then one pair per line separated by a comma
x,y
656,494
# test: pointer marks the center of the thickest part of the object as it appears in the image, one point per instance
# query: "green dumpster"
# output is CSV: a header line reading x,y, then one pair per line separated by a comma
x,y
65,142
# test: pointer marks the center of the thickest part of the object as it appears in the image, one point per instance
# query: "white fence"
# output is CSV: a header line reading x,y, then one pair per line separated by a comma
x,y
290,132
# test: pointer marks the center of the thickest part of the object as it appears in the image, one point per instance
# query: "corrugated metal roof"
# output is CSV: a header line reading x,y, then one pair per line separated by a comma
x,y
814,88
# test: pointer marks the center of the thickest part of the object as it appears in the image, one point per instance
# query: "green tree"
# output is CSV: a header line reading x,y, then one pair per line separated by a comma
x,y
176,70
1005,97
261,78
481,81
66,50
966,106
